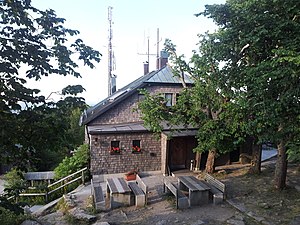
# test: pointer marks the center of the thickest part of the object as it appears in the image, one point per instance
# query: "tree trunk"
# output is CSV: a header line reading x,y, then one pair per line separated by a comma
x,y
210,163
255,167
281,166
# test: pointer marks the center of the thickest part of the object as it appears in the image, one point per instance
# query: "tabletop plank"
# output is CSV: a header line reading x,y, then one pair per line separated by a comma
x,y
193,184
111,185
118,185
201,183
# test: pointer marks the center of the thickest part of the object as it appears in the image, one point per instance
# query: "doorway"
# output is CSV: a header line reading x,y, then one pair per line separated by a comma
x,y
181,152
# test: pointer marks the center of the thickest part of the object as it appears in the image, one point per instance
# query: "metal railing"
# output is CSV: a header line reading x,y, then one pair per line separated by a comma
x,y
64,182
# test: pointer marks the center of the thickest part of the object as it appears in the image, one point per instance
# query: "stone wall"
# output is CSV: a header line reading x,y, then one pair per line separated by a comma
x,y
102,162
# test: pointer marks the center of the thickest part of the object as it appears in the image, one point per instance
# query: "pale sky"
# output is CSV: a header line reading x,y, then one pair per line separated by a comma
x,y
133,22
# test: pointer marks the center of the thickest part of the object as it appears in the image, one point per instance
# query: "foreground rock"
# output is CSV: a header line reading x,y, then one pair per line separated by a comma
x,y
30,222
101,223
80,214
53,218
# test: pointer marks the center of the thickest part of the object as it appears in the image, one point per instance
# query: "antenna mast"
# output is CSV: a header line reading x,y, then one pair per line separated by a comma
x,y
148,54
111,77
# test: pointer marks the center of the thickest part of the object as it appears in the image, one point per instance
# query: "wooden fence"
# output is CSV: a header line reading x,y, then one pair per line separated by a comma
x,y
64,182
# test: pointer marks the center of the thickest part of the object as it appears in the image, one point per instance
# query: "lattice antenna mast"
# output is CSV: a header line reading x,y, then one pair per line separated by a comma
x,y
111,77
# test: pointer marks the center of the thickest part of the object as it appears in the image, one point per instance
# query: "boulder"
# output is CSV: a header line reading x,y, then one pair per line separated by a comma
x,y
30,222
82,215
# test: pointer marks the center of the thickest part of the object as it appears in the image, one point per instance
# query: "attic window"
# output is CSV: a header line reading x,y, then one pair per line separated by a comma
x,y
169,99
177,97
141,97
117,95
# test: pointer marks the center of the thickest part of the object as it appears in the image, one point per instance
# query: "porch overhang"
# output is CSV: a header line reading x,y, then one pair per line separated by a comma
x,y
181,133
117,128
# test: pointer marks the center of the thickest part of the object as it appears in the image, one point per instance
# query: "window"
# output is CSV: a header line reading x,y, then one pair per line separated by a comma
x,y
115,144
177,96
115,147
169,99
141,97
136,146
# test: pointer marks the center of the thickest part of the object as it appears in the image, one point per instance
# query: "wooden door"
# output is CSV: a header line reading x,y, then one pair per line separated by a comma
x,y
178,153
181,152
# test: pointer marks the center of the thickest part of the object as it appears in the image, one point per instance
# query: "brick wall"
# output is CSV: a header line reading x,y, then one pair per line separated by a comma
x,y
102,162
124,112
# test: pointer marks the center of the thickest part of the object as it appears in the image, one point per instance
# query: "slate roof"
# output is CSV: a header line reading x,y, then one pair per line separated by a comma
x,y
117,128
162,76
174,131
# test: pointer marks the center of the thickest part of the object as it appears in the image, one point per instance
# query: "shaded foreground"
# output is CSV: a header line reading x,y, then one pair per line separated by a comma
x,y
252,200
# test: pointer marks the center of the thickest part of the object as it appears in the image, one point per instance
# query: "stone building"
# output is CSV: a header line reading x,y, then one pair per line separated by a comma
x,y
119,142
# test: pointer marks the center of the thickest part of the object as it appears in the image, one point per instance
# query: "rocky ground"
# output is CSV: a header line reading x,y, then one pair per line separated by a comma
x,y
252,200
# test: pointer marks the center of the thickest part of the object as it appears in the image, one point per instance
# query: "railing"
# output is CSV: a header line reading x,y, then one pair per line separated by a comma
x,y
64,182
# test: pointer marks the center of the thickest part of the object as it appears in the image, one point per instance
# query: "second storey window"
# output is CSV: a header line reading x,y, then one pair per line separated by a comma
x,y
169,99
141,97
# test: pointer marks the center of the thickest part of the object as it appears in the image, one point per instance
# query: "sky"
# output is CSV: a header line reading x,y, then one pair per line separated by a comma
x,y
134,22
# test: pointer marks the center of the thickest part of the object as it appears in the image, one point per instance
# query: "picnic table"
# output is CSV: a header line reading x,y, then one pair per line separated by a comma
x,y
118,192
198,191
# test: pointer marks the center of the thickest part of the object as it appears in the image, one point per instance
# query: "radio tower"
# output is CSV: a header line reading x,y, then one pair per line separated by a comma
x,y
111,77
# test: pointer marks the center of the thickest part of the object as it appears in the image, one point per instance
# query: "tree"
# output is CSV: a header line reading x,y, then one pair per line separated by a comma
x,y
251,62
262,65
202,105
34,44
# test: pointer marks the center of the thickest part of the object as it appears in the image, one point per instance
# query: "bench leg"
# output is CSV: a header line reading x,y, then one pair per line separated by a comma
x,y
217,199
182,203
140,201
198,197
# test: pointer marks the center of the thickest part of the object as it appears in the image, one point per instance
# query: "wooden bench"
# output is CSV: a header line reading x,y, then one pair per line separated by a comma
x,y
182,201
140,191
98,196
218,189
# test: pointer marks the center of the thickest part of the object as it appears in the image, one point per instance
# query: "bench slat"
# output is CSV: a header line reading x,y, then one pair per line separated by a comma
x,y
98,193
182,201
171,187
141,184
98,196
135,188
217,188
139,195
218,184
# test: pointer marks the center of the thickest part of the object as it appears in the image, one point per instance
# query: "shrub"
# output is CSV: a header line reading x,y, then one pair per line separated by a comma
x,y
8,217
15,182
294,152
74,163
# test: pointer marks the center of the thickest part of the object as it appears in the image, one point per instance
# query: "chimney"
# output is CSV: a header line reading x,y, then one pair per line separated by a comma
x,y
146,68
162,60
